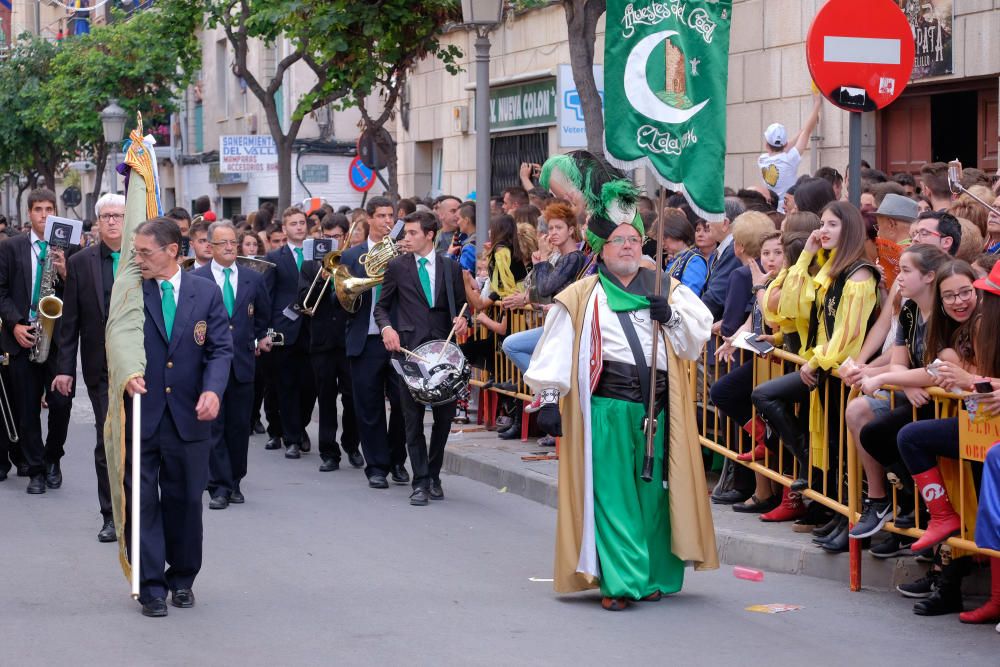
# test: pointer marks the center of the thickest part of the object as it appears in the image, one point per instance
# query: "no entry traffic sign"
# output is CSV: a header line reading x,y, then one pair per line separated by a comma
x,y
860,53
362,178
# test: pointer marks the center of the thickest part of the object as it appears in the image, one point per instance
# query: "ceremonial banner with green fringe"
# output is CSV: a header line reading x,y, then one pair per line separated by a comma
x,y
124,332
666,65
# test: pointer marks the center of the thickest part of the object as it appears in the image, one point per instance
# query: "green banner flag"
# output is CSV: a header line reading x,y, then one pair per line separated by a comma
x,y
666,65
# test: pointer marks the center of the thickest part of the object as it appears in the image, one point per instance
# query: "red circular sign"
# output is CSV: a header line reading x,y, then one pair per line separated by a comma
x,y
362,178
860,53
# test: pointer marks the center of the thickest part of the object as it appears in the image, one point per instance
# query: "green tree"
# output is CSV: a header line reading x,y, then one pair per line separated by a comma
x,y
26,146
142,61
350,47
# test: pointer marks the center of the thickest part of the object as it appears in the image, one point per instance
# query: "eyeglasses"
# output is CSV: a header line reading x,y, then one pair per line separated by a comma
x,y
621,241
146,254
112,217
227,243
948,298
923,233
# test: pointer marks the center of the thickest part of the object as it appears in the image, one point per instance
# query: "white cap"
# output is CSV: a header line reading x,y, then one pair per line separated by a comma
x,y
776,135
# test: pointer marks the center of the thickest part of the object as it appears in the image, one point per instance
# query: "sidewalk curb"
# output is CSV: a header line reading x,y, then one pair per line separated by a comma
x,y
739,544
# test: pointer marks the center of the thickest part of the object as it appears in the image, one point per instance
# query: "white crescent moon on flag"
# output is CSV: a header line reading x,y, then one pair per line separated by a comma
x,y
637,90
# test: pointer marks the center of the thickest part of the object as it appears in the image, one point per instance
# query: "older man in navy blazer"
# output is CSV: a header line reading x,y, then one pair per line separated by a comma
x,y
189,349
248,306
374,379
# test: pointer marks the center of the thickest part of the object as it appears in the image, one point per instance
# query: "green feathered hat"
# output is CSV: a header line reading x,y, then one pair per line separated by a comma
x,y
609,196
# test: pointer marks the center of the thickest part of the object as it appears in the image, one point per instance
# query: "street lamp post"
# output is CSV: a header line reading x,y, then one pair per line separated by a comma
x,y
483,15
113,119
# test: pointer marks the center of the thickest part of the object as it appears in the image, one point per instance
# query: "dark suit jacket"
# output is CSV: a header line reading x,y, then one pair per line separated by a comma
x,y
84,317
717,284
251,313
16,256
417,321
195,360
357,323
282,284
328,325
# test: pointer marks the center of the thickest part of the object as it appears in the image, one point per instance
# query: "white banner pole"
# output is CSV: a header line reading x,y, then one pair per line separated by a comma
x,y
134,500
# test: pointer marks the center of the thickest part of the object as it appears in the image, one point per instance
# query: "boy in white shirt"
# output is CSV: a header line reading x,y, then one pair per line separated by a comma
x,y
779,166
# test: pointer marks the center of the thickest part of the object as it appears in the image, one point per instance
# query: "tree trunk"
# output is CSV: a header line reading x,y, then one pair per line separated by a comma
x,y
388,149
284,148
581,20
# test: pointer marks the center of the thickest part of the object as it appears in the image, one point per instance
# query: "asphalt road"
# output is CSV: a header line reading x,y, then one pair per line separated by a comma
x,y
317,569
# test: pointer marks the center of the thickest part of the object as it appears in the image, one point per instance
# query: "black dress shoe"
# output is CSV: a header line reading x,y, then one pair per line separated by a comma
x,y
755,506
436,492
730,497
258,428
236,497
36,485
378,482
419,497
306,445
329,465
155,608
53,476
183,598
356,460
513,433
274,443
399,475
292,451
22,469
107,533
3,475
218,503
827,528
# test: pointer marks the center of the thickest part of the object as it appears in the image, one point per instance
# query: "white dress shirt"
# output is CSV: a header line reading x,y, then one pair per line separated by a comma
x,y
175,281
220,277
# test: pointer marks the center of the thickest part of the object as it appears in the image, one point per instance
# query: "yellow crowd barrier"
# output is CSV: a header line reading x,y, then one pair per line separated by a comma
x,y
841,487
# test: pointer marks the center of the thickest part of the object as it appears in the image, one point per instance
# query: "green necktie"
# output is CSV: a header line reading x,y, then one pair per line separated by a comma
x,y
298,258
425,280
228,297
115,256
36,292
169,307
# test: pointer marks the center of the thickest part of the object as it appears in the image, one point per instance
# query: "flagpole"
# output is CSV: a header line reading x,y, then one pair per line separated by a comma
x,y
647,462
134,500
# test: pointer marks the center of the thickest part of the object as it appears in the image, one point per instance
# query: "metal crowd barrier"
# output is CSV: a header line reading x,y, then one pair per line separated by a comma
x,y
840,489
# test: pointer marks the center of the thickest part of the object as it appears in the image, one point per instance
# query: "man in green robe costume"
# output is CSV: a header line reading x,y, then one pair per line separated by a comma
x,y
630,537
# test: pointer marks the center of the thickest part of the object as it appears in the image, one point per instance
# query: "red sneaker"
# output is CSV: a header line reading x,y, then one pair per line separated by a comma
x,y
535,405
754,455
790,509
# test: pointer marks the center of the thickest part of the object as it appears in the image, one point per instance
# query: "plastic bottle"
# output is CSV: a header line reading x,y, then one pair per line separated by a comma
x,y
747,573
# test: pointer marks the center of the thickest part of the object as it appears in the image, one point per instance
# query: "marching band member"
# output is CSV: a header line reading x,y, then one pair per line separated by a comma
x,y
200,245
328,356
417,289
384,449
296,394
90,274
189,350
22,263
248,307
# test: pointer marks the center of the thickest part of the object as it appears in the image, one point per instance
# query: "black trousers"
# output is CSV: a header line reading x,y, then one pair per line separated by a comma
x,y
731,395
99,402
230,439
296,393
333,376
384,445
174,477
425,462
265,392
30,382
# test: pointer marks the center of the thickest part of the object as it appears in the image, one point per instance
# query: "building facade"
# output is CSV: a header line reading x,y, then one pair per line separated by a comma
x,y
950,109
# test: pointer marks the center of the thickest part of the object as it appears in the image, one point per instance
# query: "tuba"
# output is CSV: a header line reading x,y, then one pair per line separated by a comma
x,y
48,310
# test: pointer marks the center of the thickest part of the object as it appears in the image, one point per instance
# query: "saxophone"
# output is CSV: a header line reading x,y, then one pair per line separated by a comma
x,y
48,310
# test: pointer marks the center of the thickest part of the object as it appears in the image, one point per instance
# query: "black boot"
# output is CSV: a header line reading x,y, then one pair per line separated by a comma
x,y
513,432
947,597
